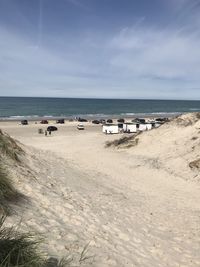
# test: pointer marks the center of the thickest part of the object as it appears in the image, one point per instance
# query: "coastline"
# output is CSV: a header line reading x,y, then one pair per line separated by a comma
x,y
91,117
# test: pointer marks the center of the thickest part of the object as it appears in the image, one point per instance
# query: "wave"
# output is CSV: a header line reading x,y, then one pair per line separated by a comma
x,y
89,116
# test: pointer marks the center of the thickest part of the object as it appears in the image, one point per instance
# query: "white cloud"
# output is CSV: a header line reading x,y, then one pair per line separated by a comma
x,y
157,54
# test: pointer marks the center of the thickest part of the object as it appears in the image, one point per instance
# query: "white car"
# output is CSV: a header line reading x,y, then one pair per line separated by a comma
x,y
80,127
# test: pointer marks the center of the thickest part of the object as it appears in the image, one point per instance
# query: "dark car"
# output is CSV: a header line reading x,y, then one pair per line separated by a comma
x,y
52,128
61,121
95,122
162,120
24,122
44,122
121,120
109,121
82,120
141,120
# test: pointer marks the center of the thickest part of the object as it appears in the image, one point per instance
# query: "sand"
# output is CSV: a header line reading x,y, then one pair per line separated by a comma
x,y
132,207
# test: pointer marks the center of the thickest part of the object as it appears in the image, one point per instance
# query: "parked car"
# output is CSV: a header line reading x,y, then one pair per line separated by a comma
x,y
162,120
24,122
80,127
82,120
95,122
61,121
135,120
109,121
52,128
44,122
121,120
141,120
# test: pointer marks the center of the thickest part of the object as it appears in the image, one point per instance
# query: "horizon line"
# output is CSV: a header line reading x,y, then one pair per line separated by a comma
x,y
102,98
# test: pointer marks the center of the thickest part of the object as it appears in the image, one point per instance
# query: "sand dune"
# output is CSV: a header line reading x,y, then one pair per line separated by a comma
x,y
134,207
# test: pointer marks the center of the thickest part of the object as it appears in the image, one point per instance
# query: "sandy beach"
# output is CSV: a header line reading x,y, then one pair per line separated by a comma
x,y
133,207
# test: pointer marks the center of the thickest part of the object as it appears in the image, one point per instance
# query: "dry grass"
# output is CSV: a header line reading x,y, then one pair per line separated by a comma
x,y
124,142
9,150
9,147
8,194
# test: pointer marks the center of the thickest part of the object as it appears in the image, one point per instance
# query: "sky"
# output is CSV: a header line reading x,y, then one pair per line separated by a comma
x,y
142,49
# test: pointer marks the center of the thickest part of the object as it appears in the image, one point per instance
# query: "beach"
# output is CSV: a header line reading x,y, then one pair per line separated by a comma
x,y
136,206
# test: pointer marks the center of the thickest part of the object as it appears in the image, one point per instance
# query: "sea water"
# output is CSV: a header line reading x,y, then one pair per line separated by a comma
x,y
32,107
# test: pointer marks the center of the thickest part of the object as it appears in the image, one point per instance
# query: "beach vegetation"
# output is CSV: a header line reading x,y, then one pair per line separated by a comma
x,y
19,249
8,194
23,250
9,147
124,142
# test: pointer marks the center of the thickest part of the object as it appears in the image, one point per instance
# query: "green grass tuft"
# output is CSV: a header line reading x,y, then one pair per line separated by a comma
x,y
18,250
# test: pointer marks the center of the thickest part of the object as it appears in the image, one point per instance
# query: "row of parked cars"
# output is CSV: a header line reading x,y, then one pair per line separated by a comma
x,y
61,121
101,121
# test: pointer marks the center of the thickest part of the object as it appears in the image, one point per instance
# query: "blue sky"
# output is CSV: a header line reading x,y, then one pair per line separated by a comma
x,y
100,48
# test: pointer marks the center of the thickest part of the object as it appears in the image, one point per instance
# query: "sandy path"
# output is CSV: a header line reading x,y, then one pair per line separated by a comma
x,y
132,206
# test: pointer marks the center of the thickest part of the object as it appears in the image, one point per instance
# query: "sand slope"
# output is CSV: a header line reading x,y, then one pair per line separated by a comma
x,y
135,207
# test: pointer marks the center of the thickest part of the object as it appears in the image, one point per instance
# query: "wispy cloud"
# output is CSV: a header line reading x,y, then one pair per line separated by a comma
x,y
155,53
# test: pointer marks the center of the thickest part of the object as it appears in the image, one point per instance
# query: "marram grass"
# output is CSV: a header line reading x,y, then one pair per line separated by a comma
x,y
18,250
8,194
22,250
9,147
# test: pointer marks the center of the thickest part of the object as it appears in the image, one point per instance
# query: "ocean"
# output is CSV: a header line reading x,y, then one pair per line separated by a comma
x,y
32,107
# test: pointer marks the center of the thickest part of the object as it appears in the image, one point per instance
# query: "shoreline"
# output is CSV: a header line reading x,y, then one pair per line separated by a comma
x,y
91,117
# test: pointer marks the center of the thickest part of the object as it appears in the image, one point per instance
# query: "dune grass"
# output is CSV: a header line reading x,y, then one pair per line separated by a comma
x,y
8,194
22,250
18,249
9,147
124,142
9,150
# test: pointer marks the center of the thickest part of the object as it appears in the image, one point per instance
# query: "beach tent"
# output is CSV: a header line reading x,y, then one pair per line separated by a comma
x,y
110,129
129,128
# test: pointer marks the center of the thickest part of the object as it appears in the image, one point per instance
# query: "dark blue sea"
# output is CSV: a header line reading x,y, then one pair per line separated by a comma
x,y
16,107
